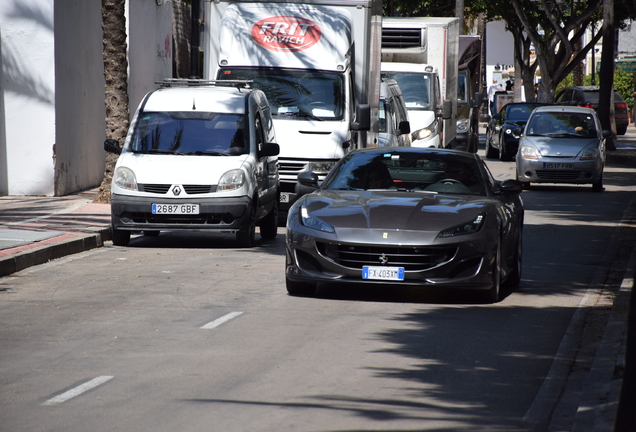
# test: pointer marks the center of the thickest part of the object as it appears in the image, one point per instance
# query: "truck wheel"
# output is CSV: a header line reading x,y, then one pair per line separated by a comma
x,y
269,224
245,236
119,237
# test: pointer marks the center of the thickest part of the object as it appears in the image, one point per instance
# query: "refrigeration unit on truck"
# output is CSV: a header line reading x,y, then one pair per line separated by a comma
x,y
317,61
421,54
469,93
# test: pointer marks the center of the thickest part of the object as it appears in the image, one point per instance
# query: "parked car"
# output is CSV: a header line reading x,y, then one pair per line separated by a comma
x,y
501,140
411,216
197,157
562,144
588,96
393,126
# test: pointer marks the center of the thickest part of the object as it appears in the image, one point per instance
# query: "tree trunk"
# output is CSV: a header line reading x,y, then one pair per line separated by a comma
x,y
606,93
116,77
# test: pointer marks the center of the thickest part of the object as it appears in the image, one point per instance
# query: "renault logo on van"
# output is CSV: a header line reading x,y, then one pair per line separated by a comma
x,y
286,33
176,190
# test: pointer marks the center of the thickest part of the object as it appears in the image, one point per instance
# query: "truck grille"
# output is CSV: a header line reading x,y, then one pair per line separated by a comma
x,y
401,37
411,258
289,170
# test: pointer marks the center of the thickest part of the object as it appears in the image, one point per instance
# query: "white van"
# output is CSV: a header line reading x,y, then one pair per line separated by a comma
x,y
394,127
198,156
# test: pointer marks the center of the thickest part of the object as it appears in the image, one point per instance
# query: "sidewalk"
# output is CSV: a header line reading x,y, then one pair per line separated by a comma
x,y
35,230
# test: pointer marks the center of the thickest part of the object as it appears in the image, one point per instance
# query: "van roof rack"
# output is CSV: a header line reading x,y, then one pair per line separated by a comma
x,y
195,82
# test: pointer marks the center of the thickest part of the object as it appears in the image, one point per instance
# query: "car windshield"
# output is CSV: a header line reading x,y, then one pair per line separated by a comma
x,y
416,88
407,171
519,112
190,133
562,124
296,94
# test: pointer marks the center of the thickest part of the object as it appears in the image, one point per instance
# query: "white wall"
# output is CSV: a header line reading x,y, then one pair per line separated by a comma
x,y
79,96
499,48
149,47
28,97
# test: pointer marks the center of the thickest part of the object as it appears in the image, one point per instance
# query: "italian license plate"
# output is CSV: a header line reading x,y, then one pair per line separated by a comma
x,y
383,273
175,209
554,165
284,197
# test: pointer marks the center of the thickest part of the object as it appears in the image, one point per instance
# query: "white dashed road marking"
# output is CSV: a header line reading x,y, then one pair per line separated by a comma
x,y
82,388
223,319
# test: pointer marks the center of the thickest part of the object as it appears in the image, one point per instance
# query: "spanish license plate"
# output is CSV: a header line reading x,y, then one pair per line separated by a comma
x,y
284,197
175,209
383,273
555,165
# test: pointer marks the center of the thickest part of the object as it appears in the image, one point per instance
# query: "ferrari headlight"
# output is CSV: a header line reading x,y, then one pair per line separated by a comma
x,y
231,180
470,227
314,223
529,152
125,178
589,153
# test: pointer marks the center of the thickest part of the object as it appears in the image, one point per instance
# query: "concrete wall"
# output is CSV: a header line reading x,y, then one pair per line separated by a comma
x,y
149,47
79,96
27,97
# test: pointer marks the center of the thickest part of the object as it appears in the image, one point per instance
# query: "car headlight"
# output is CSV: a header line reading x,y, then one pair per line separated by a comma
x,y
470,227
509,131
462,125
589,153
314,223
125,178
320,167
529,152
231,180
424,132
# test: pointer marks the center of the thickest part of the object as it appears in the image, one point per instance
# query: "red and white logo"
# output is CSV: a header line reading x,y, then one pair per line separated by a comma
x,y
286,33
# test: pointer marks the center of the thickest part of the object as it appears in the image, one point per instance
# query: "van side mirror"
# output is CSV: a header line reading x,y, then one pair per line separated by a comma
x,y
447,109
405,127
363,118
478,100
112,146
269,149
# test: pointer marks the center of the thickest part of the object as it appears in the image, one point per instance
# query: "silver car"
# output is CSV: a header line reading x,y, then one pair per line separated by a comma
x,y
409,216
562,144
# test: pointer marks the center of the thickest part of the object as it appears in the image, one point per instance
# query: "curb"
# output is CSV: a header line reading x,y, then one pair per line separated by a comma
x,y
58,247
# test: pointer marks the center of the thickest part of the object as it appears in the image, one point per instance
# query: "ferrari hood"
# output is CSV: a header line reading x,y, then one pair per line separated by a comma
x,y
393,210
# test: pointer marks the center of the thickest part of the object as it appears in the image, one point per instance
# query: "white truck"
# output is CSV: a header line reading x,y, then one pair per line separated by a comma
x,y
318,62
421,54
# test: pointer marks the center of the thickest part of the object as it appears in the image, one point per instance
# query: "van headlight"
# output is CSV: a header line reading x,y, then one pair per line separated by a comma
x,y
462,125
320,167
424,132
231,180
125,178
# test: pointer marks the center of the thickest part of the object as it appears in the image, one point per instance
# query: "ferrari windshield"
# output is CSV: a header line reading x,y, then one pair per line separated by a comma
x,y
190,133
297,94
407,171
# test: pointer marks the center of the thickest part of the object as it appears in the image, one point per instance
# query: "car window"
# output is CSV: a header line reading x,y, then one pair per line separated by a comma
x,y
562,124
409,172
190,133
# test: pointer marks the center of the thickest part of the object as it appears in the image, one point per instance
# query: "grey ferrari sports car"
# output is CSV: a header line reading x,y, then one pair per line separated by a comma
x,y
409,216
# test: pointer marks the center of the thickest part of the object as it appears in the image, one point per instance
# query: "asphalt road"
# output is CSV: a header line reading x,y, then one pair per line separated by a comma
x,y
189,333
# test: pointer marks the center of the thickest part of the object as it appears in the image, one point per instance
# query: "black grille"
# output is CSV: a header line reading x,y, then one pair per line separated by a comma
x,y
154,188
164,188
558,175
401,37
291,167
411,258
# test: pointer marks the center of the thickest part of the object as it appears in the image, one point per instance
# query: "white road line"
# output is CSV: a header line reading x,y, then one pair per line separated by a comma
x,y
223,319
82,388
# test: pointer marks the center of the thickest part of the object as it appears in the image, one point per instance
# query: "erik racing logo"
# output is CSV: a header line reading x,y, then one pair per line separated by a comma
x,y
286,33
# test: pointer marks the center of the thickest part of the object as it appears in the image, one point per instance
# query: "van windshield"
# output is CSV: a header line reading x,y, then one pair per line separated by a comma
x,y
190,133
296,94
416,88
